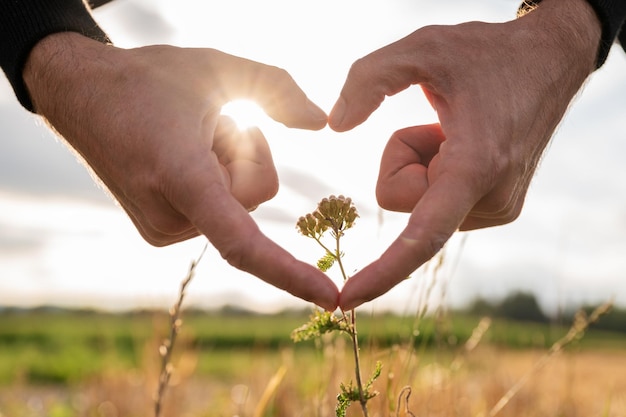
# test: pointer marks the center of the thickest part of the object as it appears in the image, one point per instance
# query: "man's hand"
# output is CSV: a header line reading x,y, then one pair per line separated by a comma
x,y
499,91
147,121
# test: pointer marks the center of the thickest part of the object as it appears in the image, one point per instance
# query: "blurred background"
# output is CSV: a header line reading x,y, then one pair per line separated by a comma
x,y
64,242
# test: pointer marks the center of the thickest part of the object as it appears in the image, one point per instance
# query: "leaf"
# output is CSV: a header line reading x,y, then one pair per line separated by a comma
x,y
320,322
343,402
326,262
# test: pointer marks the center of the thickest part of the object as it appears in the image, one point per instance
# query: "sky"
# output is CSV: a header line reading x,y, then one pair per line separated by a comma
x,y
64,241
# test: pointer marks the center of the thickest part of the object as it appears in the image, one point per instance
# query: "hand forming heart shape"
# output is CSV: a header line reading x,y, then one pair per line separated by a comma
x,y
148,123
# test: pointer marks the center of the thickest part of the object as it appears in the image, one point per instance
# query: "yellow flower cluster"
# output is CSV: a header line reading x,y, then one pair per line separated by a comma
x,y
335,213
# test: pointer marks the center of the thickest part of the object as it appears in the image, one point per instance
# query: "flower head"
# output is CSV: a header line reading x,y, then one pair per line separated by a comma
x,y
335,213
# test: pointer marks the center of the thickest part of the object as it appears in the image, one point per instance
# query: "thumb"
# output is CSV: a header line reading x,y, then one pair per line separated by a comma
x,y
434,219
382,73
273,89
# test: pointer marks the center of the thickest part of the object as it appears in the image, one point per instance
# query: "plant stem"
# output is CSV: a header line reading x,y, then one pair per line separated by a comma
x,y
353,334
328,251
357,362
338,257
337,233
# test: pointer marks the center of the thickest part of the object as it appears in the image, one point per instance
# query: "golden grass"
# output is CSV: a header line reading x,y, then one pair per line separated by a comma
x,y
584,383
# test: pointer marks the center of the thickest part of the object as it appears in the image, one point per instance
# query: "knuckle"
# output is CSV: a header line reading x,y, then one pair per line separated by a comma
x,y
360,67
487,171
366,72
234,254
237,252
427,242
393,201
384,199
501,186
434,243
278,78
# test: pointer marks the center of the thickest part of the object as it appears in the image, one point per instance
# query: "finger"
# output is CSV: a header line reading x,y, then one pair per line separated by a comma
x,y
273,89
239,240
403,176
435,218
247,161
204,198
382,73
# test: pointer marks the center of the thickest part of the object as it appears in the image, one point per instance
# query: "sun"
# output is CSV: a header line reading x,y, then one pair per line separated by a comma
x,y
245,113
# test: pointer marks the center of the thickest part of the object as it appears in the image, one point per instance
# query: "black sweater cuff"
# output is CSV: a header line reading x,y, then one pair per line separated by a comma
x,y
23,23
611,13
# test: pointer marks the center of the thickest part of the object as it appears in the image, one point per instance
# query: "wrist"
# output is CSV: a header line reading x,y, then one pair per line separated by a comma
x,y
568,35
25,23
573,24
60,74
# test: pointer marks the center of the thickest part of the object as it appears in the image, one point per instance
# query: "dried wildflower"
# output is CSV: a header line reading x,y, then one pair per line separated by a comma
x,y
311,226
335,213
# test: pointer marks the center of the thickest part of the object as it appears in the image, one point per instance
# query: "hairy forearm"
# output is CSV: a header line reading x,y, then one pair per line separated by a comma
x,y
67,75
53,68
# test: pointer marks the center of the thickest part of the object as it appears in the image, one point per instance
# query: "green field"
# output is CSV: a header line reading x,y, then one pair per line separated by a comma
x,y
58,346
59,363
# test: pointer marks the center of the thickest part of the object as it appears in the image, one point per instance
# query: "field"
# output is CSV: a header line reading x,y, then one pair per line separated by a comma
x,y
57,363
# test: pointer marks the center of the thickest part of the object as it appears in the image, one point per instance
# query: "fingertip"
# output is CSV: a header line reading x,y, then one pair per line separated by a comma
x,y
349,297
309,116
350,304
318,118
330,301
328,298
328,305
337,115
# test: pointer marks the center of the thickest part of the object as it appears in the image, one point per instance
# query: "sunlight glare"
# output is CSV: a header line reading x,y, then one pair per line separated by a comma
x,y
245,113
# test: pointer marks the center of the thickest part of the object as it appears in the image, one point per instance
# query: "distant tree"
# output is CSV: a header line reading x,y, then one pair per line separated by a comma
x,y
481,307
235,310
521,306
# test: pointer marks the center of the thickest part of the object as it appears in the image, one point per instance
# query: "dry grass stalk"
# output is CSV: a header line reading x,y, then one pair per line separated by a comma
x,y
270,390
166,348
576,331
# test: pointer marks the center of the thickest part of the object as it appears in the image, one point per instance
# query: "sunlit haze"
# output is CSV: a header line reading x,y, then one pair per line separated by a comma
x,y
245,113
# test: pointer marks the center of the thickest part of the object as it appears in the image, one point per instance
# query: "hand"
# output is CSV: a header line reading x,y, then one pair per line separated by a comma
x,y
499,91
147,121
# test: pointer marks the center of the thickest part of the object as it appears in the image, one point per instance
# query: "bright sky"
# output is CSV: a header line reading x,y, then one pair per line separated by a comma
x,y
62,241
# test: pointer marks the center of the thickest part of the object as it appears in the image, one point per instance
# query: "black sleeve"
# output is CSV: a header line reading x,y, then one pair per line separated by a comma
x,y
25,22
611,14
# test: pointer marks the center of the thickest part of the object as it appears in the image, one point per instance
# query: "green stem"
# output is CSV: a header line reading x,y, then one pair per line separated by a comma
x,y
353,336
338,258
357,363
353,331
327,250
